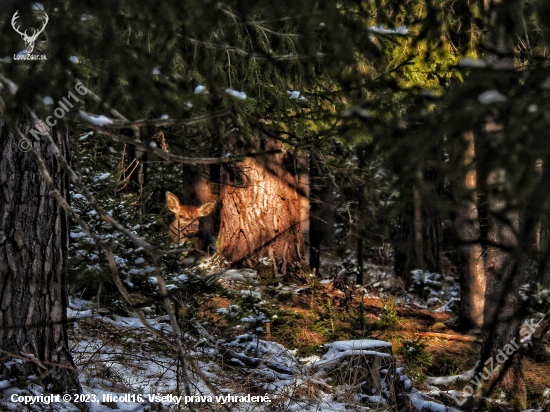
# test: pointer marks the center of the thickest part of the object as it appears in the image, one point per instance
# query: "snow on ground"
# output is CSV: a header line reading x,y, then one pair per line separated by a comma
x,y
421,403
449,380
119,359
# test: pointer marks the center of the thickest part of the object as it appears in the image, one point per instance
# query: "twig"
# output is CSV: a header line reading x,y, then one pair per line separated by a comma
x,y
98,99
179,159
166,122
244,53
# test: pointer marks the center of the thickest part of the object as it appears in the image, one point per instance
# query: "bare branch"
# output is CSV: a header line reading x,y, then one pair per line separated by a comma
x,y
175,158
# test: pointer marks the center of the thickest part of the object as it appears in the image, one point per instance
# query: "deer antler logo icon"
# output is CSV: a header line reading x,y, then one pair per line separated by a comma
x,y
29,40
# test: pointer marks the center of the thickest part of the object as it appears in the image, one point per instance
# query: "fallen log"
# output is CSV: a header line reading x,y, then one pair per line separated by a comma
x,y
449,336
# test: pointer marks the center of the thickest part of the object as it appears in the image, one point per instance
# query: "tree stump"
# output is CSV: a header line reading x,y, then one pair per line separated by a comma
x,y
367,370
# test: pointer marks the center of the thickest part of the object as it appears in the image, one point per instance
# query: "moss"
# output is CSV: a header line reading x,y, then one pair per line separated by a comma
x,y
439,326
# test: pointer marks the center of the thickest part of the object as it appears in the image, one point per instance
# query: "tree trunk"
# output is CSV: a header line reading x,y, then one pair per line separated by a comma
x,y
34,234
505,275
432,225
470,260
262,218
321,215
418,232
418,239
406,255
506,267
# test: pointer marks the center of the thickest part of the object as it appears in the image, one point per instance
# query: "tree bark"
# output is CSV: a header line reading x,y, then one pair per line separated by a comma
x,y
505,274
34,235
506,266
471,265
262,216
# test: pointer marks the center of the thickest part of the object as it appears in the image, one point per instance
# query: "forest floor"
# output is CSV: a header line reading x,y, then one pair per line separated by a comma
x,y
268,338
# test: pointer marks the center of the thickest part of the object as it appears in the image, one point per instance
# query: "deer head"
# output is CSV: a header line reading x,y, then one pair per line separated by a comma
x,y
29,40
187,217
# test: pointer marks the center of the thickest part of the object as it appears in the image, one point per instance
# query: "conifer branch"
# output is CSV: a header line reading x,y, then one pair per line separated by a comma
x,y
252,55
165,122
179,159
256,24
99,100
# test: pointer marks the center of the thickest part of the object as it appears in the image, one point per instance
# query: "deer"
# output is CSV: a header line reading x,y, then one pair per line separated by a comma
x,y
29,40
187,218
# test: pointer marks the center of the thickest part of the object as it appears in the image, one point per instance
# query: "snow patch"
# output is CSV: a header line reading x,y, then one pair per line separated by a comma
x,y
235,93
100,120
492,96
399,30
200,88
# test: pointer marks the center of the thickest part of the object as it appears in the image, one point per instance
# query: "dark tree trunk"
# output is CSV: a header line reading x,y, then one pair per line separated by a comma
x,y
506,266
419,237
34,233
505,274
321,216
432,233
263,215
406,252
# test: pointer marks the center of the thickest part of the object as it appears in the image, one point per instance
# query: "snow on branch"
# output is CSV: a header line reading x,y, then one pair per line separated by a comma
x,y
98,120
399,30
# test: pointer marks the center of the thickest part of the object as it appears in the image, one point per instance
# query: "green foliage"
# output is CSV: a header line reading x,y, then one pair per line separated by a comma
x,y
416,356
327,324
388,314
359,321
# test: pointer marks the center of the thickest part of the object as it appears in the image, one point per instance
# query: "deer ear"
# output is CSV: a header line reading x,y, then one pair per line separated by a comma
x,y
206,209
172,202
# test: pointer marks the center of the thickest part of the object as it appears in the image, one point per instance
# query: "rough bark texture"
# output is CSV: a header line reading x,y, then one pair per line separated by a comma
x,y
34,235
263,217
506,266
505,275
471,265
